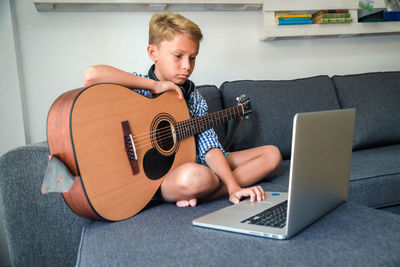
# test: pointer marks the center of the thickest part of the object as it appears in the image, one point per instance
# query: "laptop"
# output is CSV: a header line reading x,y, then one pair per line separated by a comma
x,y
318,181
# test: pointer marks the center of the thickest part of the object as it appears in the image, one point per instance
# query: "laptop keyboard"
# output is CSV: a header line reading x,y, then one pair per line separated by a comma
x,y
272,217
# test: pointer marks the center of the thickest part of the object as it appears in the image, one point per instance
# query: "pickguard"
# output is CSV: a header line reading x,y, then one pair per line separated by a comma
x,y
156,165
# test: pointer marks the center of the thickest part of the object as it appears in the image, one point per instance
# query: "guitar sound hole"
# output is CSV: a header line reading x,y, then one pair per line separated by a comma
x,y
164,136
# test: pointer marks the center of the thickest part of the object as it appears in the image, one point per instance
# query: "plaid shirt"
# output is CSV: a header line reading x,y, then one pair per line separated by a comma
x,y
197,106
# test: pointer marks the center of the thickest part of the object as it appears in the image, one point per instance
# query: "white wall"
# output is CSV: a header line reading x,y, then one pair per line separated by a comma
x,y
56,48
11,118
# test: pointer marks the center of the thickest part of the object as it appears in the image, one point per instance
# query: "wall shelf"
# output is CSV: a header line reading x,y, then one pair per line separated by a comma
x,y
271,31
338,30
148,5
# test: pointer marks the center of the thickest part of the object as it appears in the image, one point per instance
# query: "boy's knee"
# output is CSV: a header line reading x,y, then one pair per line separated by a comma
x,y
184,180
274,155
194,179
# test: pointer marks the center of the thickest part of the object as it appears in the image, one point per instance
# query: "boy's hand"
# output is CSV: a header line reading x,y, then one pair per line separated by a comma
x,y
163,86
254,192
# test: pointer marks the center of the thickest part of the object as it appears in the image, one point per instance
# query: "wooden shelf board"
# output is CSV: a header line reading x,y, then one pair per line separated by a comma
x,y
339,29
148,5
299,5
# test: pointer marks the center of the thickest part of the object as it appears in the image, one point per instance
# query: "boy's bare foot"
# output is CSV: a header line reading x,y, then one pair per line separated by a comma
x,y
186,203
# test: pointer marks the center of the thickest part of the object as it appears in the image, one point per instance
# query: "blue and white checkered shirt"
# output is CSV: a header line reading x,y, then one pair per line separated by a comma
x,y
197,107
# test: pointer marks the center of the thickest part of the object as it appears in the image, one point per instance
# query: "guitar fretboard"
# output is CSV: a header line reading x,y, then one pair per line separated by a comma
x,y
197,125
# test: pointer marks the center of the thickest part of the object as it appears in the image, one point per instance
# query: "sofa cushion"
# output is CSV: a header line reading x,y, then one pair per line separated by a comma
x,y
213,97
374,176
274,104
376,97
351,235
41,230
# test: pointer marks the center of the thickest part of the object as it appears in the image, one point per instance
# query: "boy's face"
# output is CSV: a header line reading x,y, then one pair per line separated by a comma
x,y
174,59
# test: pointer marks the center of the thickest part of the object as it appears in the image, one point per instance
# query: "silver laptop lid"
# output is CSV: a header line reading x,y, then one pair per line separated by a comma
x,y
320,165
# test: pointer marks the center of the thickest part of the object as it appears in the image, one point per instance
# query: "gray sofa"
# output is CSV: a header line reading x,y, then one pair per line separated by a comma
x,y
42,231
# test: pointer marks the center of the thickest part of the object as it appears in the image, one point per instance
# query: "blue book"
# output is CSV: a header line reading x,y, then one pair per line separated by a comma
x,y
292,21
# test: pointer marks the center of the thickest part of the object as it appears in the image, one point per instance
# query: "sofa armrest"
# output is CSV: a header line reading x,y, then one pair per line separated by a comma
x,y
40,229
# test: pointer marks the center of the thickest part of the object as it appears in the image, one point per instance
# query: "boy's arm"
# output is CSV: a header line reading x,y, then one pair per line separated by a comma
x,y
211,151
216,160
107,74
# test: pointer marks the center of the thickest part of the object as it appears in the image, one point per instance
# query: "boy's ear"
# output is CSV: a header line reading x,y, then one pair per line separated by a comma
x,y
152,51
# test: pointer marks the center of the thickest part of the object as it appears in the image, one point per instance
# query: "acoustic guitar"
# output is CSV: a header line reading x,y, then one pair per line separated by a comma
x,y
120,145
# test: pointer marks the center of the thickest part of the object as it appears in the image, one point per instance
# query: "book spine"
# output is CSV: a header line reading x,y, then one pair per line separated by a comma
x,y
330,11
332,15
293,19
334,20
293,15
294,22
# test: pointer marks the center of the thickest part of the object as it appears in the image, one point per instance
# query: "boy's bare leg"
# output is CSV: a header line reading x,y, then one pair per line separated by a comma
x,y
191,182
250,166
187,183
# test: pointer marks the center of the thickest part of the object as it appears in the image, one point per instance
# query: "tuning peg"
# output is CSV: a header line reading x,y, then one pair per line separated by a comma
x,y
241,98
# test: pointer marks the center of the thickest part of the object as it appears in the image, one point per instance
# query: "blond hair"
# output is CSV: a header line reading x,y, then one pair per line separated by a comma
x,y
164,25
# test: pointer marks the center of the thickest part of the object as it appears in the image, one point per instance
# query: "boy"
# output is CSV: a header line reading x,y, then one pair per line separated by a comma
x,y
173,46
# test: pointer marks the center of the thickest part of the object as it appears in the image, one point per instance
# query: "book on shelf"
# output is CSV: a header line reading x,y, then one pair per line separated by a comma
x,y
380,16
294,22
333,20
293,18
330,11
293,15
332,16
392,16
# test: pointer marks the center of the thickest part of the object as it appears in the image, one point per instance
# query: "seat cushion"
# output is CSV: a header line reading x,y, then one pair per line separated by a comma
x,y
375,176
376,97
351,235
274,104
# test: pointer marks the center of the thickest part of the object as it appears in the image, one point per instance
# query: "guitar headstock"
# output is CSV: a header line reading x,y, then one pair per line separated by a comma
x,y
244,102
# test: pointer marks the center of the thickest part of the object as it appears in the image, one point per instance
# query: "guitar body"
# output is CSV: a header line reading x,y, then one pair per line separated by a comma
x,y
85,130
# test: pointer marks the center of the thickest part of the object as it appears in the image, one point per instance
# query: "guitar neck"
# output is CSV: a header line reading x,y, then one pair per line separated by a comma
x,y
198,125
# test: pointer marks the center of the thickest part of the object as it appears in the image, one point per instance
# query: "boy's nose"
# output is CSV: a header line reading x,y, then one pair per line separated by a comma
x,y
186,64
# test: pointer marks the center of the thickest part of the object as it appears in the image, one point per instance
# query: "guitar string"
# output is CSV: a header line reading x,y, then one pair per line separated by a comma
x,y
227,112
161,131
167,137
162,138
145,135
167,128
166,132
152,133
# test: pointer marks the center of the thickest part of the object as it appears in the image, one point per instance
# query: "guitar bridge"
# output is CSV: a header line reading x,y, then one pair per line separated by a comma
x,y
130,148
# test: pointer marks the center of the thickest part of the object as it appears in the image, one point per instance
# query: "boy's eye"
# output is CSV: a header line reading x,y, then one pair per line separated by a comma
x,y
178,56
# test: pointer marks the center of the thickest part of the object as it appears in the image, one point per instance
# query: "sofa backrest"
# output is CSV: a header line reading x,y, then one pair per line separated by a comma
x,y
213,97
274,104
376,97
